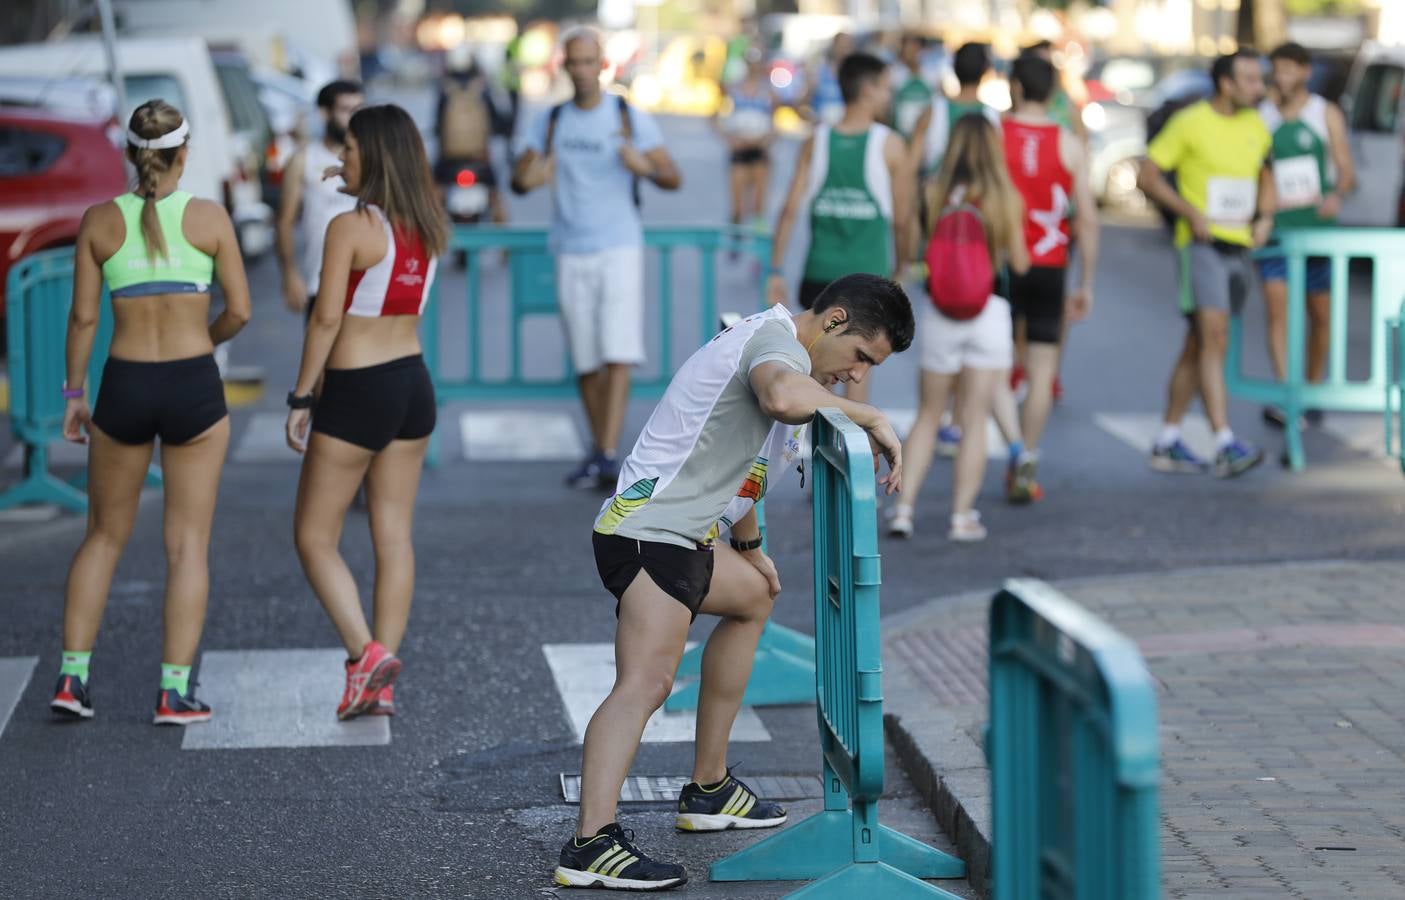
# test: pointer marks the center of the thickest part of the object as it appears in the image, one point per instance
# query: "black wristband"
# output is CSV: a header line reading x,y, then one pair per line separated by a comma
x,y
296,402
743,546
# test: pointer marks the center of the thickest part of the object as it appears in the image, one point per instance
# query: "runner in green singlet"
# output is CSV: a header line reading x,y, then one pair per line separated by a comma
x,y
853,181
913,95
1312,170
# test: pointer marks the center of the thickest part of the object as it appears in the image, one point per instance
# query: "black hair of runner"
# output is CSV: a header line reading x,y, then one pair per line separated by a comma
x,y
876,305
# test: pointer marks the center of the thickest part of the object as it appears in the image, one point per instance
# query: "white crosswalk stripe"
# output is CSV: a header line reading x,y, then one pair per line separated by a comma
x,y
584,674
15,672
1140,430
510,435
995,446
277,698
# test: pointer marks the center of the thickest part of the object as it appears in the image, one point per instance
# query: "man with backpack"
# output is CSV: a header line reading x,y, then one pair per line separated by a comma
x,y
464,121
853,181
595,150
1049,168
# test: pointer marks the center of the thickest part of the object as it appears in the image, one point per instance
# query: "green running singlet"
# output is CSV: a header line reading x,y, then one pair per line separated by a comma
x,y
851,205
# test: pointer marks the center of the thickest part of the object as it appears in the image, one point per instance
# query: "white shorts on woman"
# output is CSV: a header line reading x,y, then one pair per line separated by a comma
x,y
985,342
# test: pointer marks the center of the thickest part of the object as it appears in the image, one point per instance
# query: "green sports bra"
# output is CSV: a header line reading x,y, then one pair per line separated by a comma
x,y
184,269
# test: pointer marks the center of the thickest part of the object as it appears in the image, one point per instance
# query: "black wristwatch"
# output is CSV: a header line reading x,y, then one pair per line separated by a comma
x,y
296,402
743,546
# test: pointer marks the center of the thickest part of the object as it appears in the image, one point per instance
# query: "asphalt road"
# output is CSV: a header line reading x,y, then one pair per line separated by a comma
x,y
464,801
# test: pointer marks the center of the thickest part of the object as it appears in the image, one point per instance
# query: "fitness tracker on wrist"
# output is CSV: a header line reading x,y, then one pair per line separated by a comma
x,y
744,546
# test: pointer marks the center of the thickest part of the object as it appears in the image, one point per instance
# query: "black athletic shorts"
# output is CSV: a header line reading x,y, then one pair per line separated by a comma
x,y
748,156
371,407
1038,297
176,401
684,573
810,292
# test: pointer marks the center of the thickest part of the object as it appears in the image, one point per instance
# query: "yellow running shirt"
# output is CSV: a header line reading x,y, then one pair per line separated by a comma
x,y
1216,160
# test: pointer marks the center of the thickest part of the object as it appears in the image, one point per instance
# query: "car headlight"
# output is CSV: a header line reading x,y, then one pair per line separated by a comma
x,y
1095,117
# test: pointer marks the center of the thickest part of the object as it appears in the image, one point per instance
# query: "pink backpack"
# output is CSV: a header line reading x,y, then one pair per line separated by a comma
x,y
959,273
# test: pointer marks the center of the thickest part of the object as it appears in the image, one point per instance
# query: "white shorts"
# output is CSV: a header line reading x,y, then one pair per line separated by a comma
x,y
602,306
985,342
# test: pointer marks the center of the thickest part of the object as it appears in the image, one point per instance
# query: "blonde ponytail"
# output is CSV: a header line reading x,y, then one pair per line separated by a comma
x,y
151,120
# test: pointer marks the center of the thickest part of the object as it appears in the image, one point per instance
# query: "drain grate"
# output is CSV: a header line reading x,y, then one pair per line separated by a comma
x,y
662,788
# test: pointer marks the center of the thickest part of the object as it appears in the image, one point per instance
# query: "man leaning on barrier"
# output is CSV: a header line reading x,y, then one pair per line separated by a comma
x,y
734,411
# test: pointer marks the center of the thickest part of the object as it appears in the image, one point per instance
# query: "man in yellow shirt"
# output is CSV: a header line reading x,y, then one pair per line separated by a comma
x,y
1218,150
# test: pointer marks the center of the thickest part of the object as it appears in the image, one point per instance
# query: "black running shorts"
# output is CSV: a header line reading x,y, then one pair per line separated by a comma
x,y
1038,297
371,407
684,573
749,156
176,401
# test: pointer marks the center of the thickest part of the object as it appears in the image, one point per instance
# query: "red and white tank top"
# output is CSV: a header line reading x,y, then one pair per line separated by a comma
x,y
1036,168
399,284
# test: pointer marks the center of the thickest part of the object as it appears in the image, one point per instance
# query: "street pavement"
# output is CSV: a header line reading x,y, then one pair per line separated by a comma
x,y
460,795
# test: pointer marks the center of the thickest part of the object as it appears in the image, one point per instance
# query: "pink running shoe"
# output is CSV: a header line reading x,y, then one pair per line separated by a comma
x,y
377,668
385,702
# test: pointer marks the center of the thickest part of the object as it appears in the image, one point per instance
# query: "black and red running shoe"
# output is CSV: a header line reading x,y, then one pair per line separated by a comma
x,y
71,698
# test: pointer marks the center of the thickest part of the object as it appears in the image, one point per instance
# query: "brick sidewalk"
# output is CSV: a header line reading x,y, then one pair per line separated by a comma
x,y
1282,704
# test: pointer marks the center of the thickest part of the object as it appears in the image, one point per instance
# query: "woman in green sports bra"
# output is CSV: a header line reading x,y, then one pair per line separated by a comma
x,y
157,250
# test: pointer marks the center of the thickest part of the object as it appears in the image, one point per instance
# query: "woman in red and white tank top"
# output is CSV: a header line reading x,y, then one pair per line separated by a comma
x,y
373,416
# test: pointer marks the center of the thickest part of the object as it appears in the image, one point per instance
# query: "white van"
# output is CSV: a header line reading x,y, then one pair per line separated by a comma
x,y
179,71
1374,104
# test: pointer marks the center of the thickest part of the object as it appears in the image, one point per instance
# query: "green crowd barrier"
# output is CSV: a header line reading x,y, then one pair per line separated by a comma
x,y
844,846
1074,754
1385,249
1395,388
38,295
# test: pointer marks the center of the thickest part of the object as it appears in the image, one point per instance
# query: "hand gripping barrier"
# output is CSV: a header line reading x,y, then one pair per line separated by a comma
x,y
524,290
38,295
1395,388
1385,248
1074,754
845,847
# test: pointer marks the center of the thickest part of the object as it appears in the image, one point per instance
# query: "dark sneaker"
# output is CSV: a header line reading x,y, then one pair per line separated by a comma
x,y
730,805
71,698
1020,484
1236,459
174,709
611,861
609,474
588,473
1177,458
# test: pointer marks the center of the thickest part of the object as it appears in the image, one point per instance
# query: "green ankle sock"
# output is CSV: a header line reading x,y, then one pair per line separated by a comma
x,y
76,663
175,678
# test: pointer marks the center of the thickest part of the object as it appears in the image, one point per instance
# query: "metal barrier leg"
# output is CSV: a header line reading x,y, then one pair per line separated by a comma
x,y
39,485
783,671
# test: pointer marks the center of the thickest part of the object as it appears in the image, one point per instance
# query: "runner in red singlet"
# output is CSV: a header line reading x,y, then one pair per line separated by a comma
x,y
1048,166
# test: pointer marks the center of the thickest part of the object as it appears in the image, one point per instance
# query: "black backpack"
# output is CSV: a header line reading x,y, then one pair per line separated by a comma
x,y
626,127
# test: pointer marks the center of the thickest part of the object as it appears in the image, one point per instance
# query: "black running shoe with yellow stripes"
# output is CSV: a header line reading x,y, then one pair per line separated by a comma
x,y
610,860
728,804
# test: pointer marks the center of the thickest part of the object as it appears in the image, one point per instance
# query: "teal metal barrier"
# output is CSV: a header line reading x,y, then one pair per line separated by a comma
x,y
38,294
1395,388
1385,248
1074,754
844,846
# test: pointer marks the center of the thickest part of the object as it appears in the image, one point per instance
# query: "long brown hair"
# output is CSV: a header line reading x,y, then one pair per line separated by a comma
x,y
395,174
975,163
151,120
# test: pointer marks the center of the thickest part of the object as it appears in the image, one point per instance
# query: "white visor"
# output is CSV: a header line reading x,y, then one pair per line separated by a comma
x,y
164,142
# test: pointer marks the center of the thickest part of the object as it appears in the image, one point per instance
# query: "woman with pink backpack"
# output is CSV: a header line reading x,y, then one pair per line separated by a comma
x,y
975,227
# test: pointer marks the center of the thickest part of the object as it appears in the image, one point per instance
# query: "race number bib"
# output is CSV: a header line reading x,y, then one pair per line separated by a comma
x,y
1230,201
1298,181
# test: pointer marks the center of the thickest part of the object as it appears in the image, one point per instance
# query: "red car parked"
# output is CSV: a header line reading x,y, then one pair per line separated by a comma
x,y
52,168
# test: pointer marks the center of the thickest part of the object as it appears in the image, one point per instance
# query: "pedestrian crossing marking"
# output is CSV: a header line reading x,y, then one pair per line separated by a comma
x,y
62,454
666,788
584,674
1363,432
902,420
264,440
520,435
278,698
15,672
1140,430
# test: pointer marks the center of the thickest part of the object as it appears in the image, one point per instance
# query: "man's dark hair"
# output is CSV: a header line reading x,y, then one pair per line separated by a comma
x,y
971,63
1035,76
1038,47
875,305
1223,66
327,97
1293,53
857,70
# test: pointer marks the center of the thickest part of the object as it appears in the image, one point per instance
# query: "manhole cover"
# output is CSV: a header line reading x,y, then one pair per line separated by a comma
x,y
660,788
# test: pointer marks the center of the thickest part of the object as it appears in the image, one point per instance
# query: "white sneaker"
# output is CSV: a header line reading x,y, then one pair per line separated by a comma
x,y
900,522
967,527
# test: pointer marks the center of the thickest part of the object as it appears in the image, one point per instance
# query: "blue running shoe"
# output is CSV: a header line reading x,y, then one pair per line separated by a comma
x,y
1178,459
587,475
609,473
948,440
730,804
610,860
71,698
1236,459
174,708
